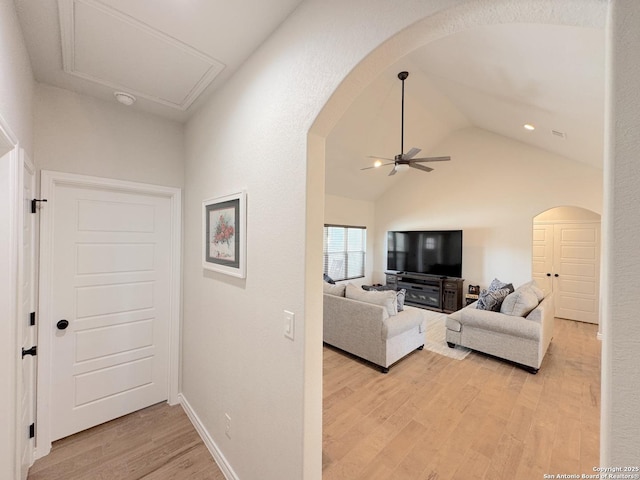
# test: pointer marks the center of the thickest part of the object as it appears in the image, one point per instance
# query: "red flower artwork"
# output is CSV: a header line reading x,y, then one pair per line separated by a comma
x,y
224,231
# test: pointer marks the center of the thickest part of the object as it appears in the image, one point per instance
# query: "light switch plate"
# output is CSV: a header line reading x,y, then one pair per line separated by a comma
x,y
289,324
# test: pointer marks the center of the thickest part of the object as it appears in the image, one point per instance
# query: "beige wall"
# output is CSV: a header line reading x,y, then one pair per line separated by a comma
x,y
492,189
620,432
16,78
253,134
79,134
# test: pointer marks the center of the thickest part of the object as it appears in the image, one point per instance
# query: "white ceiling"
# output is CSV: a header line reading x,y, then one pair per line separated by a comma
x,y
167,53
496,78
172,54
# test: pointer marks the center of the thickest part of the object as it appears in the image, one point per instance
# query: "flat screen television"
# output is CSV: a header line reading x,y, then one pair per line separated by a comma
x,y
428,252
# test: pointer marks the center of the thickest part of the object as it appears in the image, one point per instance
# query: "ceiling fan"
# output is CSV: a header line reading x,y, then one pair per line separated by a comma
x,y
403,161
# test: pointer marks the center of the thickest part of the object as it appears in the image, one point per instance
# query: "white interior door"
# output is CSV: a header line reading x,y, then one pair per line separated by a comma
x,y
542,257
27,329
110,262
577,271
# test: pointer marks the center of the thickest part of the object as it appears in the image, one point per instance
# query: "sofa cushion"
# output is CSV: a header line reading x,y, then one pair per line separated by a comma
x,y
492,300
333,289
519,303
533,286
387,298
500,323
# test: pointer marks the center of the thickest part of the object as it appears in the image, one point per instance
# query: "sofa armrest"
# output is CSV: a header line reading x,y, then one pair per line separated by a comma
x,y
352,318
405,320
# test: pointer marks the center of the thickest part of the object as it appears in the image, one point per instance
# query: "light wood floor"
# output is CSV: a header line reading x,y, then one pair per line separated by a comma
x,y
157,443
432,417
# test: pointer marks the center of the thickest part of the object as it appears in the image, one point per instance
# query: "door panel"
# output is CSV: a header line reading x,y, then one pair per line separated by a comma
x,y
577,263
111,281
543,256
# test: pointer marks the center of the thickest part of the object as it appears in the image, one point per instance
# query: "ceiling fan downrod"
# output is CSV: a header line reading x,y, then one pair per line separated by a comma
x,y
402,76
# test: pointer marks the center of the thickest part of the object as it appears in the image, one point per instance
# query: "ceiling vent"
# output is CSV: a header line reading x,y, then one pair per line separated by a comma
x,y
558,133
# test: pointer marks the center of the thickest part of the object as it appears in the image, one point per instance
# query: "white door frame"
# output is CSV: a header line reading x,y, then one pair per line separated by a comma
x,y
22,440
10,365
49,181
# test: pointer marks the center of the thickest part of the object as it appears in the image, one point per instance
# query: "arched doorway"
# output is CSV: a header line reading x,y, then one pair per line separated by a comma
x,y
422,32
566,260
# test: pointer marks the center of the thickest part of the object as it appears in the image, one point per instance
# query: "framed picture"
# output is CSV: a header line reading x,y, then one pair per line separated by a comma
x,y
224,221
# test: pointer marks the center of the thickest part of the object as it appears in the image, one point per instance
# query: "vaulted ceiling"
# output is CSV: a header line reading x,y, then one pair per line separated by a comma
x,y
497,78
171,55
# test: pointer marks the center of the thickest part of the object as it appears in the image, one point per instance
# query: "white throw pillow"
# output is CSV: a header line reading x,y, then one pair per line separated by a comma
x,y
533,286
519,303
385,298
337,290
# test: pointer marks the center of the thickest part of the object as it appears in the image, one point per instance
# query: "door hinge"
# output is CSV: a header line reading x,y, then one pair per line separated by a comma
x,y
32,318
32,430
34,204
32,351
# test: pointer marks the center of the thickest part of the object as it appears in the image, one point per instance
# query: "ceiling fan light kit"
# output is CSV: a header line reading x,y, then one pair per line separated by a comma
x,y
404,161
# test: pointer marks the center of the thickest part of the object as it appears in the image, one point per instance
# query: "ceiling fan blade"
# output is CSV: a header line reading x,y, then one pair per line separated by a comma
x,y
421,167
381,158
373,166
431,159
393,172
411,153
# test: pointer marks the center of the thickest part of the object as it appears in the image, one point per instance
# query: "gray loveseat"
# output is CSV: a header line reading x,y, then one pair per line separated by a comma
x,y
367,330
520,339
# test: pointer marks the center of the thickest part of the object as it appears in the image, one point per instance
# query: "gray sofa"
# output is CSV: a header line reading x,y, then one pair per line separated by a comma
x,y
520,339
368,331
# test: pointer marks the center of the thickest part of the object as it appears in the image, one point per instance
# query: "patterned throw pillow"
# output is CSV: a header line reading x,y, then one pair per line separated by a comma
x,y
488,300
497,285
400,294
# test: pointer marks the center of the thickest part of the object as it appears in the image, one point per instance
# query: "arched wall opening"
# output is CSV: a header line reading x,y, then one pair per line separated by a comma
x,y
467,16
566,260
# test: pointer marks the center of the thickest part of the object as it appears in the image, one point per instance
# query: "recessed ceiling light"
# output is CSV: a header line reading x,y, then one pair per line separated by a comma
x,y
125,98
528,126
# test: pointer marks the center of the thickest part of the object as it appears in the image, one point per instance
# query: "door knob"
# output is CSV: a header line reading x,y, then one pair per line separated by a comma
x,y
556,275
548,274
62,324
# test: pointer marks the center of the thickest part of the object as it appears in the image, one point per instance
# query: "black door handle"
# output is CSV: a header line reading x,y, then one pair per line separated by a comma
x,y
548,274
62,324
556,275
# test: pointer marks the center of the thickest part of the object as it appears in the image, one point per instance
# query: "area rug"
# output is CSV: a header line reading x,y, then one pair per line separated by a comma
x,y
435,337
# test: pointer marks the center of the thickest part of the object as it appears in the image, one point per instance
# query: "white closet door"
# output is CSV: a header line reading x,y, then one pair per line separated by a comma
x,y
543,257
111,283
577,271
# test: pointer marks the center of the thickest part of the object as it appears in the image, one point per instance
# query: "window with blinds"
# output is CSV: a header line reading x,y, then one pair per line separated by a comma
x,y
344,251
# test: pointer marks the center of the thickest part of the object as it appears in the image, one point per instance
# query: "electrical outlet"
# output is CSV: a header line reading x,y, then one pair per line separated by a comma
x,y
227,425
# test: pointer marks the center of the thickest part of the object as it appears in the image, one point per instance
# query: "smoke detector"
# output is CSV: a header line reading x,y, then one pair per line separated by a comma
x,y
125,98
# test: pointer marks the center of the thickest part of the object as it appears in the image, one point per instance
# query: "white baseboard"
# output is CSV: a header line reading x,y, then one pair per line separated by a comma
x,y
217,455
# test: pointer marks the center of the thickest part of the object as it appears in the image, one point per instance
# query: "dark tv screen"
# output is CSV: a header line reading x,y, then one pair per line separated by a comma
x,y
428,252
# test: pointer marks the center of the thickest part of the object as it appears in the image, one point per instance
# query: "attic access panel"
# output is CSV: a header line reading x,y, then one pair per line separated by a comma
x,y
108,47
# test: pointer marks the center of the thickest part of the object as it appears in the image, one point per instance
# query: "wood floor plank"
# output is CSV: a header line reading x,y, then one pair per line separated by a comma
x,y
156,443
435,418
